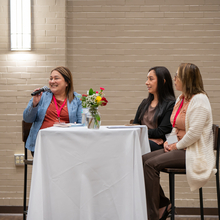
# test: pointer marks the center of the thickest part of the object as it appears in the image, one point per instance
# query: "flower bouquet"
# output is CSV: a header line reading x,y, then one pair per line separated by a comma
x,y
92,100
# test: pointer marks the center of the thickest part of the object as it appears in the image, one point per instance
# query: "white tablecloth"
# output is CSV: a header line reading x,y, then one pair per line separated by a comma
x,y
84,174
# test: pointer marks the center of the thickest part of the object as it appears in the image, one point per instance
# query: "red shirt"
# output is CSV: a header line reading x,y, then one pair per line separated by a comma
x,y
51,114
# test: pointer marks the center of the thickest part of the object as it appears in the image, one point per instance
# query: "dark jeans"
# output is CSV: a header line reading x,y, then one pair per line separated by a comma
x,y
153,163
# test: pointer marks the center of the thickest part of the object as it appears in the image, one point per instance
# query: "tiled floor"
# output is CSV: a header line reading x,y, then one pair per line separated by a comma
x,y
20,217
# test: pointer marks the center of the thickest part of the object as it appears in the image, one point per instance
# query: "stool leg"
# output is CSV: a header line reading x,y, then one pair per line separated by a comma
x,y
172,194
25,192
25,186
201,203
218,193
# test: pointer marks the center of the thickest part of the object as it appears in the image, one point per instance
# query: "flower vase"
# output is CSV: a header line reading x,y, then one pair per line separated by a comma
x,y
93,118
84,115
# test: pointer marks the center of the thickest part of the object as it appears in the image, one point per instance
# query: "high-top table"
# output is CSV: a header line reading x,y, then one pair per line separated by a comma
x,y
86,174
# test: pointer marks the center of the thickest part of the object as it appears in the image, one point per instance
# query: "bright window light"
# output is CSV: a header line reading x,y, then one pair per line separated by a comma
x,y
20,21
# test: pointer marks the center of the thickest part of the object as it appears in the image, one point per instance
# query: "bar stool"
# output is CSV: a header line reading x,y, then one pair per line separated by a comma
x,y
25,132
173,171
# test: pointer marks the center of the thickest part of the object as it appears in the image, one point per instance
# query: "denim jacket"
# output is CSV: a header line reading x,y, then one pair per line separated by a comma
x,y
36,115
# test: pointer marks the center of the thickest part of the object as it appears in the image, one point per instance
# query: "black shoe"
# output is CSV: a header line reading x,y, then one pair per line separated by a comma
x,y
166,213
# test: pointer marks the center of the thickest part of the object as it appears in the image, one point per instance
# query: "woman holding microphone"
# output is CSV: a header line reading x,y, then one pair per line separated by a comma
x,y
59,105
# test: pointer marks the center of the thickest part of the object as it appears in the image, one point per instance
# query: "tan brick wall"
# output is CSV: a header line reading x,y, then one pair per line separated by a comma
x,y
110,44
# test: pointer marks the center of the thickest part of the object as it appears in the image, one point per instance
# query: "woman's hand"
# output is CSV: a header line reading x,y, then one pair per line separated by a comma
x,y
170,147
158,141
166,147
173,146
36,98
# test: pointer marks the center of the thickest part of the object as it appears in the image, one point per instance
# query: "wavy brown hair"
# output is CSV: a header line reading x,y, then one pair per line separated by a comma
x,y
67,75
191,79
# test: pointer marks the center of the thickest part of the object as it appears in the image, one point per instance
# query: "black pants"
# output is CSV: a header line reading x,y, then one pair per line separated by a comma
x,y
153,163
154,146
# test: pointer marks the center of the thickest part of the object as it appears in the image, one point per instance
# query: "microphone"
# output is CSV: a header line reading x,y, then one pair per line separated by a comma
x,y
43,89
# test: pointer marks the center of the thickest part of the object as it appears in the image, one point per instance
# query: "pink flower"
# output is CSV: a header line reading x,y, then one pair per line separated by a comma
x,y
102,88
97,92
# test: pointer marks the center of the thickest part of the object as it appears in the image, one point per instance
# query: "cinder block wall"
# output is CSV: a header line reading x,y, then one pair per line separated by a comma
x,y
111,44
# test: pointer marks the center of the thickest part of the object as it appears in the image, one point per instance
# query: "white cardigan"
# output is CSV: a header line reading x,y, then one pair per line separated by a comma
x,y
198,141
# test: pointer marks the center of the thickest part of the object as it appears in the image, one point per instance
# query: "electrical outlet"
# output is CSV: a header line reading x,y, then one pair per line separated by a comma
x,y
19,159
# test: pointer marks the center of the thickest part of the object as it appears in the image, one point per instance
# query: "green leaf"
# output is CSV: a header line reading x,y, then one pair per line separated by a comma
x,y
83,98
97,117
91,91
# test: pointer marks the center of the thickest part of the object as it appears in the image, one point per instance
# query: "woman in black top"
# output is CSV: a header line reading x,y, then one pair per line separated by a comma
x,y
155,110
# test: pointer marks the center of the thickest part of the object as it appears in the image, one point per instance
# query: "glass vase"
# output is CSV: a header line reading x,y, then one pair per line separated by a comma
x,y
84,115
93,118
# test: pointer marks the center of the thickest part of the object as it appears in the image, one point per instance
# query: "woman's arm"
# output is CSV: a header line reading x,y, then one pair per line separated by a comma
x,y
198,114
30,113
139,110
158,141
79,112
164,126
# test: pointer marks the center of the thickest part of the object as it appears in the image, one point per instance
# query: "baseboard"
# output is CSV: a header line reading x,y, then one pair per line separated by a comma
x,y
179,211
196,211
11,209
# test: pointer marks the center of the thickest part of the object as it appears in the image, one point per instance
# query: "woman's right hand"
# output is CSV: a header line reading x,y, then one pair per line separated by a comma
x,y
158,141
37,98
166,147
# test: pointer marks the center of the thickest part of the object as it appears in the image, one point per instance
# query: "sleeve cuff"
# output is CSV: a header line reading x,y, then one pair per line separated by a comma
x,y
179,146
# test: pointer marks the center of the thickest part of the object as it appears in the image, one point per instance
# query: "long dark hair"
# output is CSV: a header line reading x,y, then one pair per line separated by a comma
x,y
164,91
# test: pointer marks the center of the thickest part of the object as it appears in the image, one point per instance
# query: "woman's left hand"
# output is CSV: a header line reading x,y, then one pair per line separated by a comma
x,y
173,147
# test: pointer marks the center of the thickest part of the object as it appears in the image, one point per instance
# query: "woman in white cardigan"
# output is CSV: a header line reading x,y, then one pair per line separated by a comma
x,y
193,149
